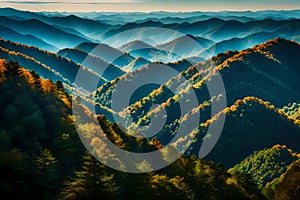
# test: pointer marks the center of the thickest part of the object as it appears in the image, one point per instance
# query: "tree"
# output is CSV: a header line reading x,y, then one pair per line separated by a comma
x,y
45,161
170,188
91,182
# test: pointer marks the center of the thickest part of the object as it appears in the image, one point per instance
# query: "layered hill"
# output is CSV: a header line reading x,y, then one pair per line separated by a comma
x,y
58,66
266,165
136,64
286,186
104,93
263,71
70,30
247,73
102,68
87,27
186,46
107,53
239,44
40,148
41,30
30,40
213,29
139,48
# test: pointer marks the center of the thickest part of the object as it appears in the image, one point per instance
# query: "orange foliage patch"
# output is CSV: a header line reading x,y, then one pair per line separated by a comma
x,y
2,70
47,86
157,143
27,76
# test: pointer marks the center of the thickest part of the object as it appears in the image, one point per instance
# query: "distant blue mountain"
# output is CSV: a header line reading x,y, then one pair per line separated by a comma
x,y
186,46
239,43
138,48
107,53
12,35
106,70
43,31
61,68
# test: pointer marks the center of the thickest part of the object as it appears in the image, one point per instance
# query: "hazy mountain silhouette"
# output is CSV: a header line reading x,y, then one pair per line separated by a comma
x,y
102,68
12,35
43,31
138,48
85,26
137,64
239,43
65,68
235,28
186,46
107,53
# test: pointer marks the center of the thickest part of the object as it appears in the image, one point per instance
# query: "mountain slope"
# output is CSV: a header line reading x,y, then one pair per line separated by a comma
x,y
32,64
266,165
287,186
233,28
35,124
87,27
263,71
138,48
107,53
250,124
292,109
253,72
48,33
104,93
239,44
66,68
137,64
106,70
30,40
214,29
186,46
84,26
130,26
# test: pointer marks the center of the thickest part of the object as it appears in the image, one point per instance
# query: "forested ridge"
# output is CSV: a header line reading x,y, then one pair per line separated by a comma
x,y
42,156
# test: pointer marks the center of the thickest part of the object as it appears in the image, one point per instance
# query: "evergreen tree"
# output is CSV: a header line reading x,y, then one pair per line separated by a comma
x,y
91,182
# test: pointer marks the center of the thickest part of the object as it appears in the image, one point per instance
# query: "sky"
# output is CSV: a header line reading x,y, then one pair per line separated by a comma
x,y
150,5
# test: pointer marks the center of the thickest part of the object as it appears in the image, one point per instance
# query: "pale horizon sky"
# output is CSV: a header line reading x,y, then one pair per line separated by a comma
x,y
150,5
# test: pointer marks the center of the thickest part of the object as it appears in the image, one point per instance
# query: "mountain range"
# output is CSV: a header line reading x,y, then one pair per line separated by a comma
x,y
245,73
167,63
75,28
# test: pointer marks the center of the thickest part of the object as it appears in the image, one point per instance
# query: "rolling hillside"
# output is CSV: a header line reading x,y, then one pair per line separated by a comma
x,y
60,66
239,44
100,67
138,48
41,30
186,46
168,64
286,186
264,71
266,165
107,53
30,40
247,73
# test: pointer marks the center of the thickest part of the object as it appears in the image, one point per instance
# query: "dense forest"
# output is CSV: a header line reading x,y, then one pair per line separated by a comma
x,y
63,76
42,156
